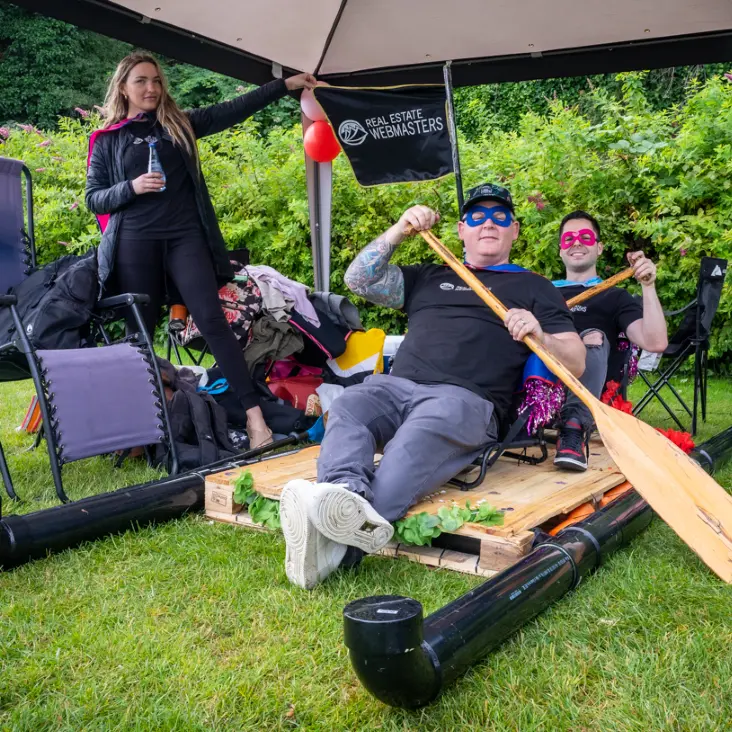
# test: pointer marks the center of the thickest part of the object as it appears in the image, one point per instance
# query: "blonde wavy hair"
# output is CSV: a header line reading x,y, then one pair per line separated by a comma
x,y
170,116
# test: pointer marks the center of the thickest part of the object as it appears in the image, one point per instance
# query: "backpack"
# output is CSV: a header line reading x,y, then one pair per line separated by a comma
x,y
198,424
55,304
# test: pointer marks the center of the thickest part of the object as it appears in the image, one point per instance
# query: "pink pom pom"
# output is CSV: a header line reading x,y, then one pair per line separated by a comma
x,y
544,400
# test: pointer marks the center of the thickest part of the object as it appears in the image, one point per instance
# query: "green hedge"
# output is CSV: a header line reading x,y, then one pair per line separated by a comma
x,y
661,181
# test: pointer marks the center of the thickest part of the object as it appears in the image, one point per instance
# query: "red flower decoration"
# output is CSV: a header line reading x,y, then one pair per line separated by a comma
x,y
682,440
614,399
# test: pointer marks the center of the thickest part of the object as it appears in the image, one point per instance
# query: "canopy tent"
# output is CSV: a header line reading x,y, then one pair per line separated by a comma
x,y
387,42
384,42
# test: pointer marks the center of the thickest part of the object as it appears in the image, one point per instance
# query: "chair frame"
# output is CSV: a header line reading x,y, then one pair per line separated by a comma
x,y
505,448
174,346
699,346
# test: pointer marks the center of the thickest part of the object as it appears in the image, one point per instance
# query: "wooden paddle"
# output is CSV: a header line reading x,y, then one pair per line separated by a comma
x,y
685,497
597,289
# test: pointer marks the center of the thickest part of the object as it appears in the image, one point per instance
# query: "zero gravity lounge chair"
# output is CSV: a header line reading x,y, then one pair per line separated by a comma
x,y
93,400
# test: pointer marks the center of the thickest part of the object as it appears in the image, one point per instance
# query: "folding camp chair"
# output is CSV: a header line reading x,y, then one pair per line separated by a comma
x,y
92,400
196,351
512,437
691,338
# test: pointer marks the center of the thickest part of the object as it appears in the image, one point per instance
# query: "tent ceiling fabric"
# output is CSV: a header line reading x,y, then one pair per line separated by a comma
x,y
380,33
405,41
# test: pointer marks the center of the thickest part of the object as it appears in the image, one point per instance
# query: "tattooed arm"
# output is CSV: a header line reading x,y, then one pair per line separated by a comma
x,y
370,274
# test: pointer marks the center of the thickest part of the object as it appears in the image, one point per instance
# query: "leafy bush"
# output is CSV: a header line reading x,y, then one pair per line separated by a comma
x,y
657,180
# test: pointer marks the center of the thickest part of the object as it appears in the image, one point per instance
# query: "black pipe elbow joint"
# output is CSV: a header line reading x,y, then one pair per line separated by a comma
x,y
385,638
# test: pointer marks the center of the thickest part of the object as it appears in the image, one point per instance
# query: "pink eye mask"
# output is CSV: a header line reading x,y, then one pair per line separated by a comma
x,y
583,236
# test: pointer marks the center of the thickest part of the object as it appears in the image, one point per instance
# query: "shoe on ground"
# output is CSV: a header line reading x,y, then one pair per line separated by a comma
x,y
310,556
347,518
571,448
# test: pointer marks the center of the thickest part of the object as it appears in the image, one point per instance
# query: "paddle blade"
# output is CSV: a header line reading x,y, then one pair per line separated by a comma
x,y
691,502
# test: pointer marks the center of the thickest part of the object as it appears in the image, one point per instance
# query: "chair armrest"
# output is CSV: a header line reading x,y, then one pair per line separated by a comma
x,y
8,300
121,301
669,313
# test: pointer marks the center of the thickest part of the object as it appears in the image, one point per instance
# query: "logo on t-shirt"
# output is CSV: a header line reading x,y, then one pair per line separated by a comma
x,y
579,309
448,286
148,139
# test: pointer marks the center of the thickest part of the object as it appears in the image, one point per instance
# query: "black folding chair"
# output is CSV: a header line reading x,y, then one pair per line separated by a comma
x,y
691,338
512,437
92,400
196,350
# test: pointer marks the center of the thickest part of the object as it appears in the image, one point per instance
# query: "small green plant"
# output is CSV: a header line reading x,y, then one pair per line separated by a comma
x,y
264,511
244,488
421,528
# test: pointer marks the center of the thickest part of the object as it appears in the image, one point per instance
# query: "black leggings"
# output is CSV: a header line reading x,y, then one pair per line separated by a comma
x,y
141,266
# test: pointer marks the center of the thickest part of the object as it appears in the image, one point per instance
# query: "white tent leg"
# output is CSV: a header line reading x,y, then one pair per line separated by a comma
x,y
319,177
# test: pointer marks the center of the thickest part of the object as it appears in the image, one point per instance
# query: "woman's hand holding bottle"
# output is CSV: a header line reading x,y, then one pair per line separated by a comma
x,y
148,183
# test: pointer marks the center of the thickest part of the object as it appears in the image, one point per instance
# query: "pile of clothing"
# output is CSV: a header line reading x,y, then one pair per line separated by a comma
x,y
301,347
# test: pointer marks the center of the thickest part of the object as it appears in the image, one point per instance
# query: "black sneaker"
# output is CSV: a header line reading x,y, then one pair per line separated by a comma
x,y
571,450
352,558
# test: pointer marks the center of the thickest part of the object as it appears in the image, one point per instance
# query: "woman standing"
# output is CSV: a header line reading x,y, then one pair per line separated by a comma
x,y
162,228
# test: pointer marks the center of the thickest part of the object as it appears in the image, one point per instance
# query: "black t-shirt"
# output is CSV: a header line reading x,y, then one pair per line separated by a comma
x,y
611,311
454,338
172,212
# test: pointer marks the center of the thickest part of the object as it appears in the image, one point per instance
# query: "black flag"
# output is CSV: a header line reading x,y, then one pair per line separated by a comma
x,y
390,135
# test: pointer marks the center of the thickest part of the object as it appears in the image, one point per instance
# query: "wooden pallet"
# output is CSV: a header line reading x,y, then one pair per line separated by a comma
x,y
530,496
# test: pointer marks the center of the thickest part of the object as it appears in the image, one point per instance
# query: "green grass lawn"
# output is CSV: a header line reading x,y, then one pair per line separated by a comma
x,y
193,625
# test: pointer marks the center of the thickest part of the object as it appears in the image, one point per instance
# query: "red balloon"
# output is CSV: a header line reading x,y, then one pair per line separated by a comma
x,y
320,142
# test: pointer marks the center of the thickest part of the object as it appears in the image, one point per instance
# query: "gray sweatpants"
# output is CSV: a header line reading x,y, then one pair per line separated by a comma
x,y
427,433
593,378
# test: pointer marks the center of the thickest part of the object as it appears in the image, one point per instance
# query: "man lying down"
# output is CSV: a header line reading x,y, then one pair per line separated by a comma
x,y
451,384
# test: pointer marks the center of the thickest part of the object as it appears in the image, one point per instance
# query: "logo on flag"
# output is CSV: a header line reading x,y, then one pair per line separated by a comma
x,y
391,135
351,132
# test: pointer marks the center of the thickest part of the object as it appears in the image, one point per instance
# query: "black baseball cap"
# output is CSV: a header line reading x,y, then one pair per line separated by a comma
x,y
488,192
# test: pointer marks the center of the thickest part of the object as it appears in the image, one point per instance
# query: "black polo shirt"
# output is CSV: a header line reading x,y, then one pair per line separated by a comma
x,y
454,338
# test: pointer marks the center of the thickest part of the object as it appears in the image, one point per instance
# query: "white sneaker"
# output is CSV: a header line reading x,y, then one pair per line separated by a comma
x,y
310,557
347,518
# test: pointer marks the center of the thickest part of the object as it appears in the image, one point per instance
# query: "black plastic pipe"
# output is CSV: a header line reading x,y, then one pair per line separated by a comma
x,y
406,661
713,453
35,535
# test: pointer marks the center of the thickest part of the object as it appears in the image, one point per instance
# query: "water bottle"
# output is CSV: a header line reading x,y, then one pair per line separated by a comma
x,y
153,164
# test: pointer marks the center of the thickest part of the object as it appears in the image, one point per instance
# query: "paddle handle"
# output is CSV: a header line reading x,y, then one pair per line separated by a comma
x,y
597,289
551,361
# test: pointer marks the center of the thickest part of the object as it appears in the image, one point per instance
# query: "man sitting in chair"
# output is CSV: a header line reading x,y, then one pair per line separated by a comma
x,y
599,320
453,378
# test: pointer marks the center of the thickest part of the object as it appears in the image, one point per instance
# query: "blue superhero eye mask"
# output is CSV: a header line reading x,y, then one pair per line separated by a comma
x,y
499,215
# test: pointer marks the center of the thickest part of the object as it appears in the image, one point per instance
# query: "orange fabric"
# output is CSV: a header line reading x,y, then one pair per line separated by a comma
x,y
573,517
614,493
178,312
32,420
